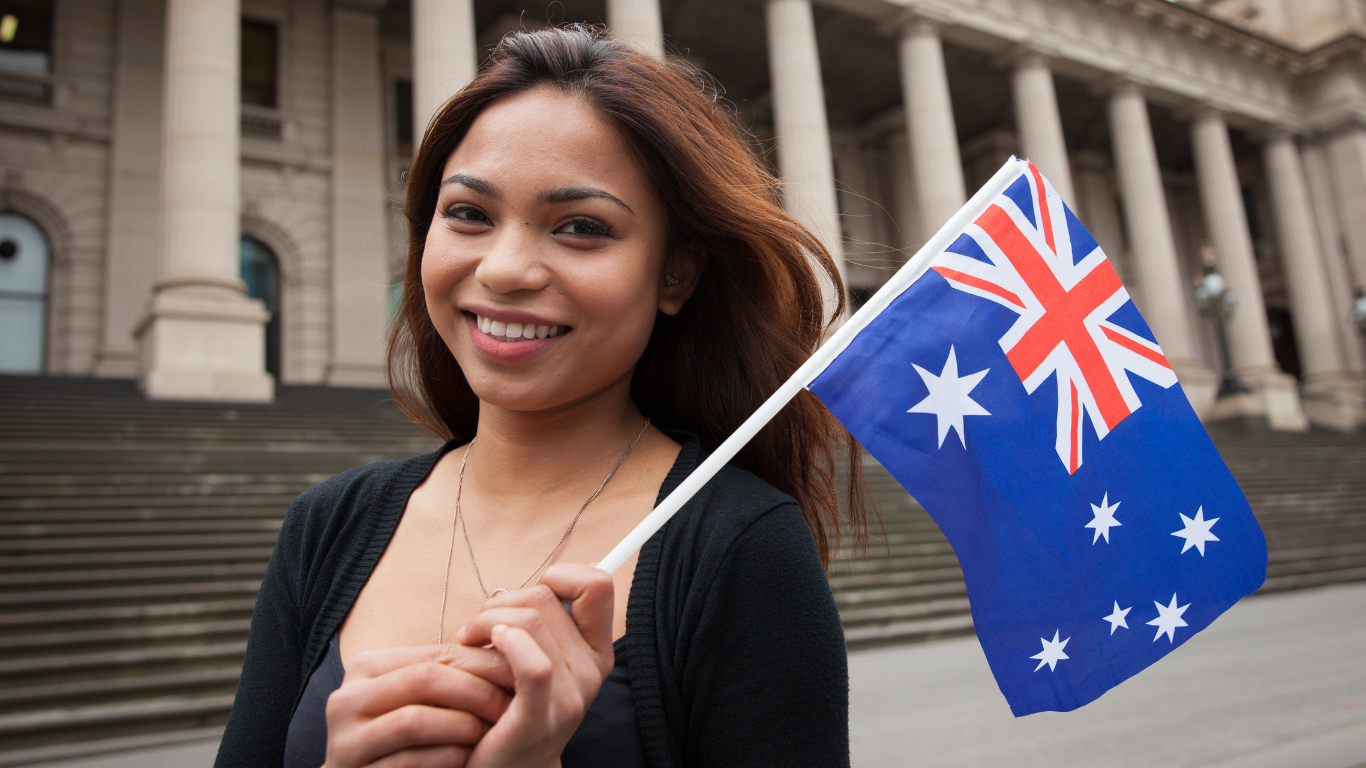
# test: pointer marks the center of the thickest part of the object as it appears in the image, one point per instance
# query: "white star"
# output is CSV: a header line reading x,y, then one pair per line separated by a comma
x,y
1051,653
948,399
1104,520
1168,619
1196,532
1116,618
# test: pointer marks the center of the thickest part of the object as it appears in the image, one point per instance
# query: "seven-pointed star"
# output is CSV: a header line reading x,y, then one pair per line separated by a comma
x,y
948,399
1051,653
1116,618
1168,619
1196,532
1104,520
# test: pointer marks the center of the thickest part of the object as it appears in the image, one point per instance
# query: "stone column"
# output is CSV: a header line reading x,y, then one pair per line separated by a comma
x,y
445,56
638,23
804,158
134,228
1340,277
929,126
1331,399
1347,161
360,276
1152,246
1040,125
1097,207
1226,222
203,338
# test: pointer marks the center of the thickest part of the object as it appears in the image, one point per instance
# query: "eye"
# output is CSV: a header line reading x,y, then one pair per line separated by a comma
x,y
585,227
466,213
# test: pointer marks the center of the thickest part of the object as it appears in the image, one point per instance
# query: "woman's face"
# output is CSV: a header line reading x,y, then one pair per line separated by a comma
x,y
543,265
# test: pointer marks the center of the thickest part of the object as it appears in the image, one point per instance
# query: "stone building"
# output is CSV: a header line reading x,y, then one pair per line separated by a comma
x,y
203,194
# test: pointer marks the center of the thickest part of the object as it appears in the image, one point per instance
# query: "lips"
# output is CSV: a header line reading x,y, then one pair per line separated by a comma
x,y
515,332
512,341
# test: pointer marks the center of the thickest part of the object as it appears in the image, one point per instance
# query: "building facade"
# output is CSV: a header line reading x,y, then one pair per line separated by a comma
x,y
205,194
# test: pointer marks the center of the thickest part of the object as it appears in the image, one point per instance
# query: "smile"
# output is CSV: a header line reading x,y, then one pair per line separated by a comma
x,y
516,332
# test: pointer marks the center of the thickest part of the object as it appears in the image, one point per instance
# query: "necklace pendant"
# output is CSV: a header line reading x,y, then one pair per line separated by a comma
x,y
495,593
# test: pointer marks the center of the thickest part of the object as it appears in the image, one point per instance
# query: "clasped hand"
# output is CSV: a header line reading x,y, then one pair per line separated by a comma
x,y
515,703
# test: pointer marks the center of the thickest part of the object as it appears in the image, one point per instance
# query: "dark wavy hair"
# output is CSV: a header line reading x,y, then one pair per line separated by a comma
x,y
756,314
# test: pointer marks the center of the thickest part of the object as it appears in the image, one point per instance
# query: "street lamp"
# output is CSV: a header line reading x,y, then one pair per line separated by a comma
x,y
1359,310
1217,303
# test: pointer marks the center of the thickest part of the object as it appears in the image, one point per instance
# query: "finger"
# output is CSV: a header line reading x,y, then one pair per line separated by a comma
x,y
411,726
444,756
530,620
484,662
590,592
532,668
426,683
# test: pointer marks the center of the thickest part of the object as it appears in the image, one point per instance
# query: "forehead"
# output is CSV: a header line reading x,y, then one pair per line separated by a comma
x,y
546,136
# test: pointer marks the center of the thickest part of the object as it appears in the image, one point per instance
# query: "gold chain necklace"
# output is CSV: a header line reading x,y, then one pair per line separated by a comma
x,y
456,518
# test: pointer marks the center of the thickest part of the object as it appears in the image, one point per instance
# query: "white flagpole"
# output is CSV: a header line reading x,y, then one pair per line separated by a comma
x,y
813,367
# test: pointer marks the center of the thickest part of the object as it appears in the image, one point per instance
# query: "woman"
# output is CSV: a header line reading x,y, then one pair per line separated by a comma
x,y
591,243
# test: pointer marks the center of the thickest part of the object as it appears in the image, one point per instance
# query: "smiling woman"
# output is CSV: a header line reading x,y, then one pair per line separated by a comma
x,y
594,251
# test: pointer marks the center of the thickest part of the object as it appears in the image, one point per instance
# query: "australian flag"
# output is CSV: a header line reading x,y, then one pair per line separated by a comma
x,y
1015,391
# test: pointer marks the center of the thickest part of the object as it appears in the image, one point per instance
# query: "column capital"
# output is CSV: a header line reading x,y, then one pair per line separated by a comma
x,y
363,6
910,22
1116,85
1023,55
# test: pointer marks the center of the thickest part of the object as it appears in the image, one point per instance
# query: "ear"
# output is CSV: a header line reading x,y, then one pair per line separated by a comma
x,y
682,272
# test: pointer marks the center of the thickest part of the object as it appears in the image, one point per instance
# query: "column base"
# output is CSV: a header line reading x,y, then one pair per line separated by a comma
x,y
1337,402
1200,385
366,375
202,343
1274,401
116,364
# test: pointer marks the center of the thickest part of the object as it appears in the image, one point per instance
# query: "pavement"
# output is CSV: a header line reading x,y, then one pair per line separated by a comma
x,y
1277,682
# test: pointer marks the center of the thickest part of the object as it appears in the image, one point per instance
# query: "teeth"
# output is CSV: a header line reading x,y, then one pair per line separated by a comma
x,y
516,331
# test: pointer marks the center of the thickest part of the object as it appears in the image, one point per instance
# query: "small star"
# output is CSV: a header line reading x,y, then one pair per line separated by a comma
x,y
948,399
1168,619
1051,653
1116,618
1196,532
1104,520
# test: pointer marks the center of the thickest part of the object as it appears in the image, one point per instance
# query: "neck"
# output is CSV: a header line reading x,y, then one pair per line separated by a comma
x,y
523,458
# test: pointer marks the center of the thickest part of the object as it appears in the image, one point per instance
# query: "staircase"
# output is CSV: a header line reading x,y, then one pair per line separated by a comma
x,y
133,536
1307,490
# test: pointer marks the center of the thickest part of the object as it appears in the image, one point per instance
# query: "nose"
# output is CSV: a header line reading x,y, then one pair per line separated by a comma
x,y
513,263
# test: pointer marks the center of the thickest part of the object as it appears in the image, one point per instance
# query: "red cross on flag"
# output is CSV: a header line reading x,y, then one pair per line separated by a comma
x,y
1022,257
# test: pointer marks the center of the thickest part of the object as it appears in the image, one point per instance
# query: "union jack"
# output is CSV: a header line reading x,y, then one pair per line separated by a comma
x,y
1065,301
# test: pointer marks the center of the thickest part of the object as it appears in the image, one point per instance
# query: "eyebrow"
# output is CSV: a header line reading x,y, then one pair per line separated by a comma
x,y
475,183
570,194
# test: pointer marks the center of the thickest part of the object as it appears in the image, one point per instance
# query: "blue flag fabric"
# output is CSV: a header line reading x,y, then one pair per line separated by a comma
x,y
1017,393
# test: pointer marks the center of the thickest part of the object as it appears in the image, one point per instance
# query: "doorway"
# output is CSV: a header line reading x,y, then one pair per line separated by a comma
x,y
261,272
24,264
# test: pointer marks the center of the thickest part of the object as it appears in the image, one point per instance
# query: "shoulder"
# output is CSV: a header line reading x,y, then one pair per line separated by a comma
x,y
349,505
735,520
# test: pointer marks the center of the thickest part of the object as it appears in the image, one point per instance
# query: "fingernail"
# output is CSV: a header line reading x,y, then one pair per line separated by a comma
x,y
498,629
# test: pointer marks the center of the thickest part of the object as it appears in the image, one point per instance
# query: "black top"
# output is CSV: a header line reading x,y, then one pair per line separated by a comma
x,y
606,737
735,648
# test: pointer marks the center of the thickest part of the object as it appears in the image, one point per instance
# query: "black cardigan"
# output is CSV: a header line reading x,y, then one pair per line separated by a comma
x,y
735,647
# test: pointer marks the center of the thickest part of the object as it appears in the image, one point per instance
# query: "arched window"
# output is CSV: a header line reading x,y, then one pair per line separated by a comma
x,y
261,273
23,294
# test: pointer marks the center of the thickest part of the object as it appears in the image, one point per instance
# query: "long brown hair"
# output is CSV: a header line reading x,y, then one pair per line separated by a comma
x,y
756,314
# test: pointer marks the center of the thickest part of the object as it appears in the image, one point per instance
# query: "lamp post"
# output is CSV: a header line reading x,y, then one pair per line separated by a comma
x,y
1359,310
1217,302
